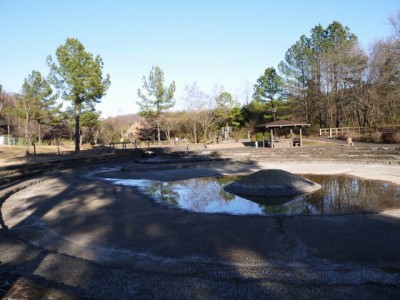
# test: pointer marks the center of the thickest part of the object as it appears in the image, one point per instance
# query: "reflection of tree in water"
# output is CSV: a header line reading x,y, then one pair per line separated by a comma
x,y
296,206
338,194
347,194
195,194
223,181
204,192
273,210
164,192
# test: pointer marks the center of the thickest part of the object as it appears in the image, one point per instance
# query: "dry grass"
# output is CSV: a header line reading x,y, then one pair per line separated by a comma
x,y
376,137
20,151
310,142
396,138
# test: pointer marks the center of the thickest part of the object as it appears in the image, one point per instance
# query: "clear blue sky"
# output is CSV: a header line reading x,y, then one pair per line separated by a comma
x,y
211,42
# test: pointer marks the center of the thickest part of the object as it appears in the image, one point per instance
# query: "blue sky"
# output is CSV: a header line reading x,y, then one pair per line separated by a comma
x,y
211,42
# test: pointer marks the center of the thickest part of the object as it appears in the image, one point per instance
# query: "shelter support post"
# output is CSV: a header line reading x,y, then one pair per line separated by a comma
x,y
301,137
272,138
291,137
263,138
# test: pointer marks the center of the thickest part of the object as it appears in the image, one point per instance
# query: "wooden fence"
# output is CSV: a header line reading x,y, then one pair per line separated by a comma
x,y
147,144
331,132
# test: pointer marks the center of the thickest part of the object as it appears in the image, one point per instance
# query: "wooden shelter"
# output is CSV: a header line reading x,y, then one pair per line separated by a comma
x,y
289,140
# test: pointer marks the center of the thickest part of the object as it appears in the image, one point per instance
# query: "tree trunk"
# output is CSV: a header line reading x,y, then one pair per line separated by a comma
x,y
26,129
58,146
206,135
40,134
194,132
77,131
274,111
158,132
365,116
359,121
27,134
338,123
169,135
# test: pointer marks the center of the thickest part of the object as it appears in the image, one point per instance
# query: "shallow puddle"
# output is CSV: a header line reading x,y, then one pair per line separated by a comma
x,y
338,195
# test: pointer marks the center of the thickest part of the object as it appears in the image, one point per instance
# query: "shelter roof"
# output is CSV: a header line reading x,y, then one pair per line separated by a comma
x,y
283,123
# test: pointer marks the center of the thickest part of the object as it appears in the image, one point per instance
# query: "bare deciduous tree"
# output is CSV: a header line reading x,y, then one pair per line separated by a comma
x,y
169,123
200,109
110,130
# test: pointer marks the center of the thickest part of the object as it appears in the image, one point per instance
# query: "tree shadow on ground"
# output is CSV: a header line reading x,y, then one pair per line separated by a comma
x,y
98,240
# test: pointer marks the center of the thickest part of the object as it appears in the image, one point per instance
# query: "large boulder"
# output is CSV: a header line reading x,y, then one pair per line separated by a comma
x,y
272,182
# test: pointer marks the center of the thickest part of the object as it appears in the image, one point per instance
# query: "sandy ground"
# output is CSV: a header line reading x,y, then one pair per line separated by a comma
x,y
98,240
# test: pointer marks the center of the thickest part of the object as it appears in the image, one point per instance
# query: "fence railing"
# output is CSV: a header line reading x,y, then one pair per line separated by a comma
x,y
146,144
11,141
343,131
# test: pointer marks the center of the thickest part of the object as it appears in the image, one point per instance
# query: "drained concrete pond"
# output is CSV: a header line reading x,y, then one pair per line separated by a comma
x,y
97,231
338,195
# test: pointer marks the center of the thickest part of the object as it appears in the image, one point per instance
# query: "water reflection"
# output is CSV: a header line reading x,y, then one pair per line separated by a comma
x,y
338,195
201,195
341,194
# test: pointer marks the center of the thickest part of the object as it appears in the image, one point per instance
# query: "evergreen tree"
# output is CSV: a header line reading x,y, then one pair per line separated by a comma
x,y
228,110
35,97
80,78
318,70
156,97
91,121
269,89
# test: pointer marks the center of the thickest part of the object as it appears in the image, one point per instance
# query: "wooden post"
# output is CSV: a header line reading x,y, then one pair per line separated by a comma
x,y
291,137
272,138
58,145
301,137
8,134
263,138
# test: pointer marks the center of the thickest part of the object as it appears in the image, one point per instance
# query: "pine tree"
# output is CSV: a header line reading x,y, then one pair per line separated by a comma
x,y
80,78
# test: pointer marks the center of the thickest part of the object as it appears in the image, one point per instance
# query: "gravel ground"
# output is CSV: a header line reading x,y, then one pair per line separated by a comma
x,y
70,237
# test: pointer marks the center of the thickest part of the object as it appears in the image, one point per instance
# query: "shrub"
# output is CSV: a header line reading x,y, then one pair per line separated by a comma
x,y
355,136
365,138
259,136
394,138
313,130
376,137
237,135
